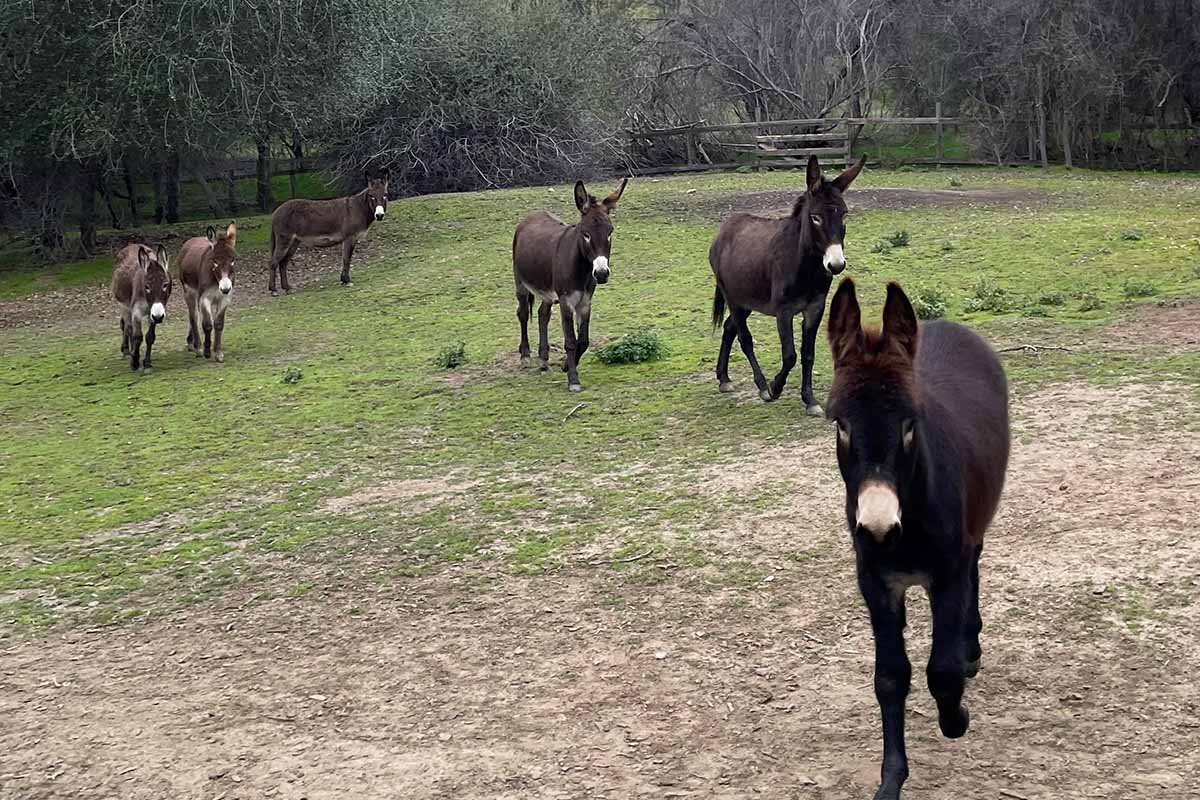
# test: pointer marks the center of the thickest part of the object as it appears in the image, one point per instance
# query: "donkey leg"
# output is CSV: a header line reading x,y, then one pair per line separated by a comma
x,y
524,306
946,671
218,336
347,252
207,323
787,342
193,336
275,258
151,335
893,675
974,620
135,344
584,310
544,335
808,340
727,337
747,343
285,261
569,345
124,338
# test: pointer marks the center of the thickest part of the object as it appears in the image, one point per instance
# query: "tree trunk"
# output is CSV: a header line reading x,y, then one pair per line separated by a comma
x,y
1066,138
297,158
1041,115
52,236
173,184
130,187
156,177
263,176
214,205
106,193
232,191
86,179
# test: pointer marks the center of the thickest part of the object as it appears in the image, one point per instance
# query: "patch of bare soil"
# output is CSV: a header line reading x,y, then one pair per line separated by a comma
x,y
779,203
415,494
90,305
1171,325
583,685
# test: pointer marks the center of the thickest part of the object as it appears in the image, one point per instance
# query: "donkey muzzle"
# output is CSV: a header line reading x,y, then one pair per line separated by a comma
x,y
878,510
225,285
378,213
600,269
834,259
158,312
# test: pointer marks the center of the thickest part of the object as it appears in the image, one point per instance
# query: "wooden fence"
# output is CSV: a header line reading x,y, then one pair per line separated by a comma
x,y
830,138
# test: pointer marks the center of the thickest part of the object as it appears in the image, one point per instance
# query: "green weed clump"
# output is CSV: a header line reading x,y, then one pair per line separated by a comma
x,y
929,303
291,376
1090,302
451,356
1035,311
1051,299
898,239
1135,288
988,297
1132,235
633,348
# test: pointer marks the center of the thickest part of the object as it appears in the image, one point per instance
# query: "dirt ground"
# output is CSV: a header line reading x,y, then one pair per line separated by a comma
x,y
584,684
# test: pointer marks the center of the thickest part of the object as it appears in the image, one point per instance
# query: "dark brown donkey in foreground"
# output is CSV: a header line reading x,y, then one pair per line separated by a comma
x,y
325,223
922,443
141,286
206,272
561,263
781,268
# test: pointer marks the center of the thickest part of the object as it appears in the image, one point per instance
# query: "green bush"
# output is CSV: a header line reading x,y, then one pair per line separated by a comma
x,y
955,182
1090,302
881,247
988,297
1051,299
291,375
1132,235
1136,288
1035,311
898,239
929,303
451,356
632,348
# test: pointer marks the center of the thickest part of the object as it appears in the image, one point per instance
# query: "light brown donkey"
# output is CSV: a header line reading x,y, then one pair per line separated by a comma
x,y
206,272
141,286
325,223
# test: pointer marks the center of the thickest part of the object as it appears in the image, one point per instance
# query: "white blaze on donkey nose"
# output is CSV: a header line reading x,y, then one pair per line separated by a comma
x,y
225,285
600,266
378,212
834,258
878,509
158,311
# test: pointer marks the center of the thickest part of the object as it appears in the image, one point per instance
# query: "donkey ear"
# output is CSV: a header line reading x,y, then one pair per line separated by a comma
x,y
843,181
211,233
143,258
385,176
899,320
845,323
582,199
161,254
231,234
813,179
612,199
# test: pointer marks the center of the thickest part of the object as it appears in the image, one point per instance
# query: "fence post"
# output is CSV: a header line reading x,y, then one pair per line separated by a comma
x,y
941,151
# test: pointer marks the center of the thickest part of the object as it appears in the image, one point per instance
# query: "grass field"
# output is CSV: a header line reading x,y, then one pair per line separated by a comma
x,y
328,463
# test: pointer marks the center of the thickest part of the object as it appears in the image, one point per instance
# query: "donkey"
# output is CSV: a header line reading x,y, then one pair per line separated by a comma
x,y
781,268
325,223
141,285
561,263
206,272
922,443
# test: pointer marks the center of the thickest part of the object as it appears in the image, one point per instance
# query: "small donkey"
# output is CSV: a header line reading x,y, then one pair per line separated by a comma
x,y
560,263
206,272
141,286
325,223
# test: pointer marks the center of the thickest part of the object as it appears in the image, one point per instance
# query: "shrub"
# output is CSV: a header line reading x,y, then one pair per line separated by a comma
x,y
632,348
1132,235
881,247
898,239
451,356
1035,311
1136,288
1051,299
1090,302
955,182
988,297
929,303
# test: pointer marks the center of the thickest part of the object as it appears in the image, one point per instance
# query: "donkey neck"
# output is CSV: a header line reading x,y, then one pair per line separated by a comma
x,y
795,241
578,268
358,211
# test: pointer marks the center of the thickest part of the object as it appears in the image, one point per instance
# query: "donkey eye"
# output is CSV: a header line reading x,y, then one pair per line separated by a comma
x,y
906,433
816,219
587,237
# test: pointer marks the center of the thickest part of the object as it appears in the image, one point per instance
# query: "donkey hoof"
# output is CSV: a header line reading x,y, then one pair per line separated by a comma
x,y
725,387
543,365
219,356
274,293
815,410
954,725
524,361
147,369
575,387
766,395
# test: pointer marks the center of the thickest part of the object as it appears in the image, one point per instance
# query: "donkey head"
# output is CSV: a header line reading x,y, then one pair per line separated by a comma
x,y
156,281
224,249
874,401
824,212
377,193
595,228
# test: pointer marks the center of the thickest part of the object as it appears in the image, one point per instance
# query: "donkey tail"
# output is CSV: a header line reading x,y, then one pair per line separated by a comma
x,y
718,312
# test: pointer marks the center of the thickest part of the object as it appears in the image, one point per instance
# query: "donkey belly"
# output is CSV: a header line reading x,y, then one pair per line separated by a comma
x,y
322,240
